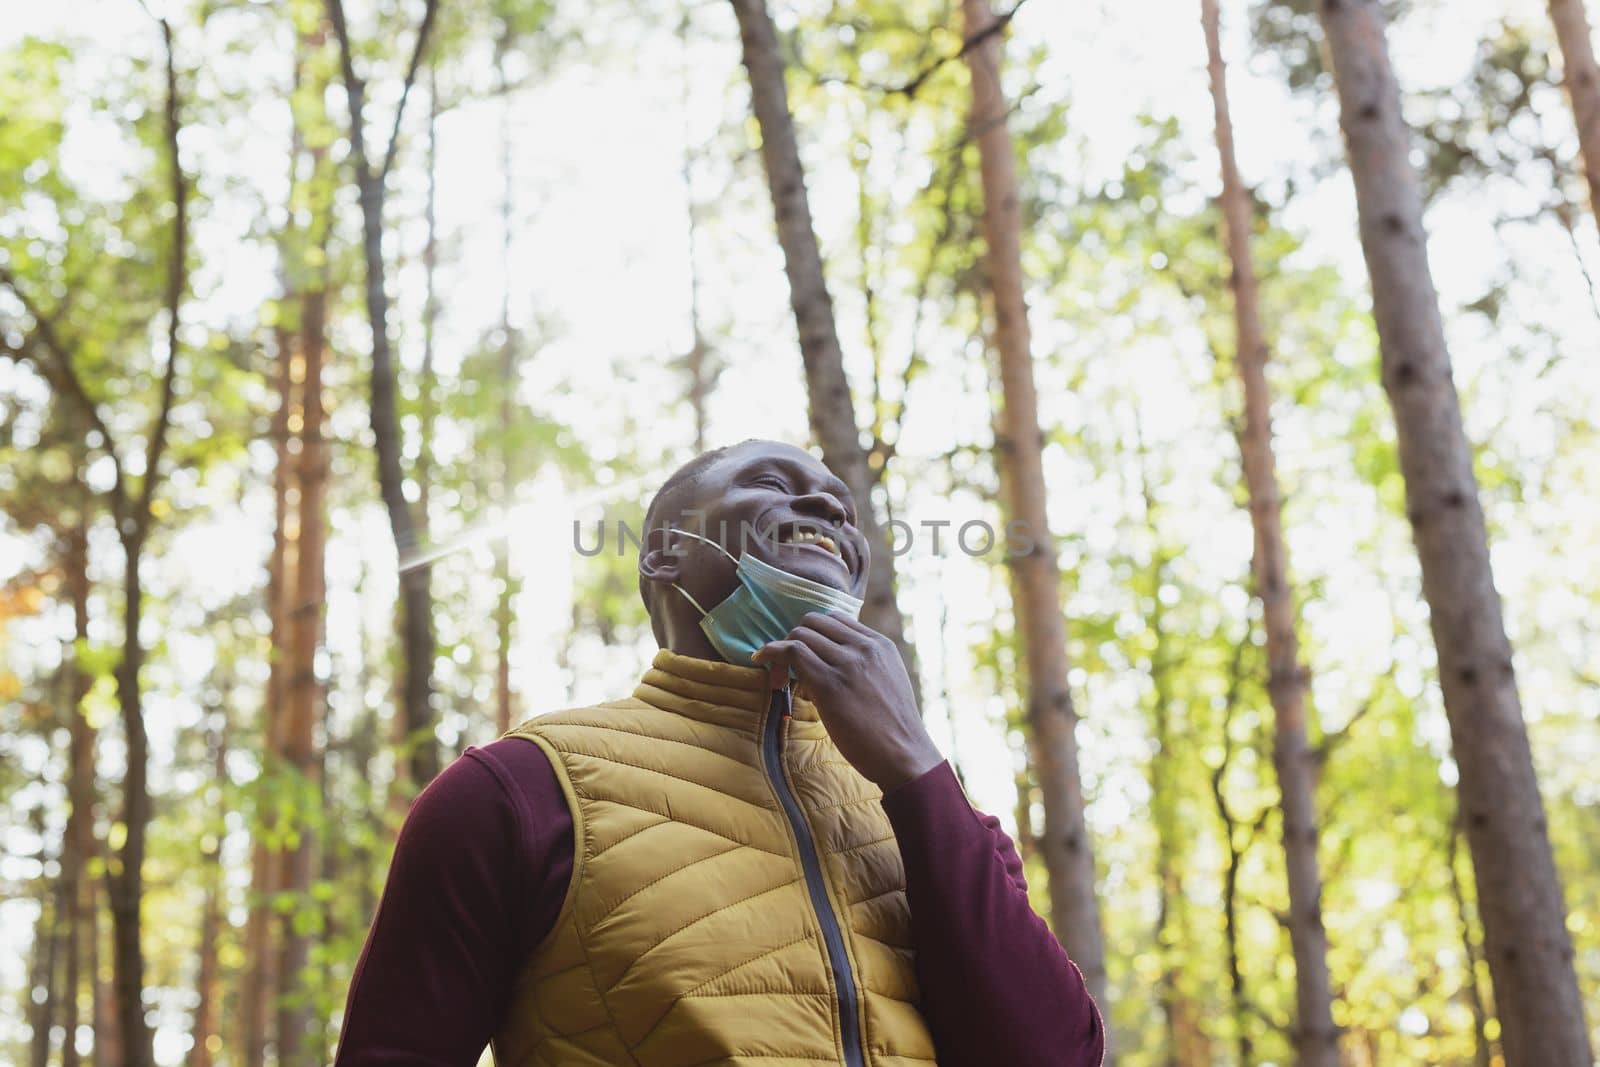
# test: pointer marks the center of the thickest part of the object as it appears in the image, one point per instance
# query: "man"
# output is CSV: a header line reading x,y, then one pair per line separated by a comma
x,y
758,858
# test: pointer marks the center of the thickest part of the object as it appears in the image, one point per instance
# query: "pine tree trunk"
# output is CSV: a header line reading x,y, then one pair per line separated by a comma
x,y
696,363
1529,951
1238,995
126,884
426,403
107,1034
303,693
208,988
833,417
78,841
1164,800
508,386
1582,77
44,966
416,596
1316,1036
258,980
1036,582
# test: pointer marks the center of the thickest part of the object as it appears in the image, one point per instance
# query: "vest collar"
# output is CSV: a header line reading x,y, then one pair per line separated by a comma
x,y
718,692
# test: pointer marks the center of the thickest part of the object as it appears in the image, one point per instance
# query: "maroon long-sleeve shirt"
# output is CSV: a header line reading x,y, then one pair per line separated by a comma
x,y
482,866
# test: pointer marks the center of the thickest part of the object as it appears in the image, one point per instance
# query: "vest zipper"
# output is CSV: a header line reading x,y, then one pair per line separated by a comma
x,y
844,979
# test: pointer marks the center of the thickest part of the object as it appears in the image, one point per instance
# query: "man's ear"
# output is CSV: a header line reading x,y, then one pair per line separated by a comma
x,y
658,562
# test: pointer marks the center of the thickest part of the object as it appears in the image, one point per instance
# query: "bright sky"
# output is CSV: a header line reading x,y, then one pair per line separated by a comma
x,y
600,253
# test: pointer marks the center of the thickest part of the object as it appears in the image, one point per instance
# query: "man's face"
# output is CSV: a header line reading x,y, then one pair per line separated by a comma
x,y
782,506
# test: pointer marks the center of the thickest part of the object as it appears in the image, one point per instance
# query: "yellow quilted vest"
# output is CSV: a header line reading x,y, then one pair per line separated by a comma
x,y
737,895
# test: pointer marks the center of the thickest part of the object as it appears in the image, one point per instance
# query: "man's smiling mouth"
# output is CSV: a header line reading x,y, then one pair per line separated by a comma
x,y
800,535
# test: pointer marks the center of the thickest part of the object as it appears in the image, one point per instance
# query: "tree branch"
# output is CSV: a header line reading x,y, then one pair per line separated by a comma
x,y
177,283
430,8
65,378
911,87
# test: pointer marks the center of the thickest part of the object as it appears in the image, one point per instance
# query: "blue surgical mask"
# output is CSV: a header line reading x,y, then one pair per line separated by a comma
x,y
767,605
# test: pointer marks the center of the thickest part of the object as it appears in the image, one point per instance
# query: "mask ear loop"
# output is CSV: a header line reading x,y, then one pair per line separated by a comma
x,y
690,599
707,540
713,544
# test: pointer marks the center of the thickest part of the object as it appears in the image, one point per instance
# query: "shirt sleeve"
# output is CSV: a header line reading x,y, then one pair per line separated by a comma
x,y
997,987
478,878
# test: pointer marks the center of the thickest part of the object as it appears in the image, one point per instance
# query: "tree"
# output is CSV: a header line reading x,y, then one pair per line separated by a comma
x,y
1582,78
133,509
833,416
1526,941
307,251
1316,1037
1035,579
416,597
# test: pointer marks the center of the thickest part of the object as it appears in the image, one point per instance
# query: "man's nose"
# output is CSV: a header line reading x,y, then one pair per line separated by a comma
x,y
824,506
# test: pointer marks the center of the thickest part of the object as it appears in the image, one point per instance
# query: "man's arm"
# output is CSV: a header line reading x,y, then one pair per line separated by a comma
x,y
996,985
478,878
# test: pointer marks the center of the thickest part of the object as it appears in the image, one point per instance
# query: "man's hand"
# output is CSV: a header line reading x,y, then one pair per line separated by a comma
x,y
856,678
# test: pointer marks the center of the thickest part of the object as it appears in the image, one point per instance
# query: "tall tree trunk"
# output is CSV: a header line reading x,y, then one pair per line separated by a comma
x,y
426,403
126,887
1036,581
44,967
78,842
1582,77
303,695
1164,802
1238,994
833,416
1482,1049
504,589
416,595
1519,892
208,986
107,1032
695,362
1316,1036
258,978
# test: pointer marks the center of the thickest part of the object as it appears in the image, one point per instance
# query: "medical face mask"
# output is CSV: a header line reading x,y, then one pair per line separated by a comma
x,y
767,605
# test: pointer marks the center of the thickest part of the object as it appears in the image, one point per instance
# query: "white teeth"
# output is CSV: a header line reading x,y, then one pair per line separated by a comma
x,y
811,537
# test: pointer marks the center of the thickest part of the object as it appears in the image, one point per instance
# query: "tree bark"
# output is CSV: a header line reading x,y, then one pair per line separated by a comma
x,y
1316,1036
1035,579
695,361
126,886
44,966
1582,77
416,596
504,588
303,696
258,980
208,986
832,411
107,1035
1529,950
78,842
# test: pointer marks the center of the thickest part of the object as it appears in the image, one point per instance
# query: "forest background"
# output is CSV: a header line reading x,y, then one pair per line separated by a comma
x,y
244,355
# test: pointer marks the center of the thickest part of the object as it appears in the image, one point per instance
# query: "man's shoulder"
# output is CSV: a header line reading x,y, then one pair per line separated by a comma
x,y
613,714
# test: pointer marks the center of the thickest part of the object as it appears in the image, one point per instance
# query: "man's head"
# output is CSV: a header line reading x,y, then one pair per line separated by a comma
x,y
775,501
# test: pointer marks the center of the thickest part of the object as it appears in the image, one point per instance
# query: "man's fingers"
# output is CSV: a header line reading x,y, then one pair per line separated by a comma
x,y
796,655
857,626
831,626
829,649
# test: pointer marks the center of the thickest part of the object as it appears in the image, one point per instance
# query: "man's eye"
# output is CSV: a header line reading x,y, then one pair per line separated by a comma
x,y
772,481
